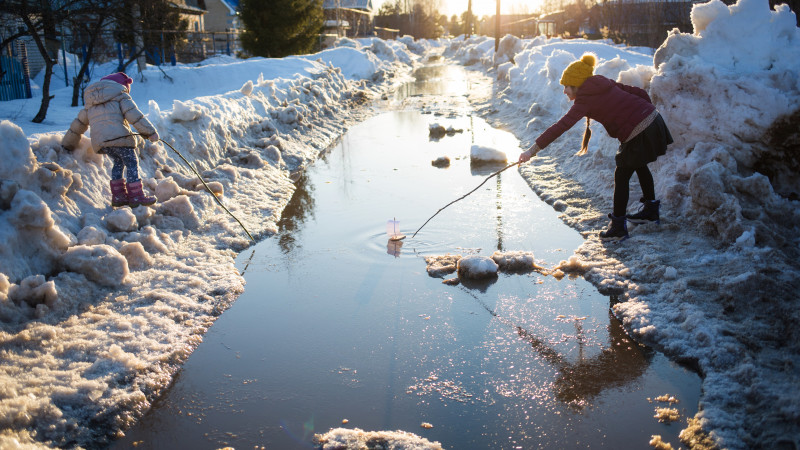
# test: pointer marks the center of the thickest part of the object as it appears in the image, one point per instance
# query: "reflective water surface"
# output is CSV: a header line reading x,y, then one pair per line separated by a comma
x,y
338,323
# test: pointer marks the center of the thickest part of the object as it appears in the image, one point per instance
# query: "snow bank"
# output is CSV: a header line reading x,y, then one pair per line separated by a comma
x,y
715,286
99,307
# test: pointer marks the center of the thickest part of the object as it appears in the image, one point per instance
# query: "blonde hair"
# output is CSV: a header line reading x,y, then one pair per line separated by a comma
x,y
587,134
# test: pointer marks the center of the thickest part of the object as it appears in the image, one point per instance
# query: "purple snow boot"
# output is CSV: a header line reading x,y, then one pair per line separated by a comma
x,y
119,196
137,197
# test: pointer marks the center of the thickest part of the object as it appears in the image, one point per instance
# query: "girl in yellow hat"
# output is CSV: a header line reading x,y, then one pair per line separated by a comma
x,y
628,114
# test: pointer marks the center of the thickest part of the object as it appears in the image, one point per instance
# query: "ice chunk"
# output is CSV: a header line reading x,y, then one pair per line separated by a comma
x,y
436,130
357,438
182,208
29,210
185,111
442,264
477,267
247,88
657,443
121,219
102,264
91,236
747,239
667,415
442,161
167,189
514,260
485,153
136,255
34,290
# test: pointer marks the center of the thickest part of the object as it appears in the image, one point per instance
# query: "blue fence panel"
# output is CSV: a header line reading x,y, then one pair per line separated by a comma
x,y
15,83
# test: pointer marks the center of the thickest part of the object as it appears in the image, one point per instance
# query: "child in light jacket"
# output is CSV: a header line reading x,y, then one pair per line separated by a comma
x,y
109,110
627,114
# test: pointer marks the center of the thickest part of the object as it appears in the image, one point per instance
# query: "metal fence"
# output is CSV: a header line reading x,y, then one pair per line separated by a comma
x,y
15,80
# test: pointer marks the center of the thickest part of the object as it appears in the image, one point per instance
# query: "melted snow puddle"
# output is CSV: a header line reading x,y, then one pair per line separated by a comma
x,y
340,327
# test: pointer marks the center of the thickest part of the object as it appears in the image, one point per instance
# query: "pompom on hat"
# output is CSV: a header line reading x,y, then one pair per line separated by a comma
x,y
576,73
121,78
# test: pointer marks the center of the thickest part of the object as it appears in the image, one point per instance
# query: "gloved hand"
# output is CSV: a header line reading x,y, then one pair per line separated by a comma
x,y
528,154
153,137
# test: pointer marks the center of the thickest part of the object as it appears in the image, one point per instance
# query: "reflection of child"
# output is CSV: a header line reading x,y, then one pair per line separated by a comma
x,y
627,114
109,109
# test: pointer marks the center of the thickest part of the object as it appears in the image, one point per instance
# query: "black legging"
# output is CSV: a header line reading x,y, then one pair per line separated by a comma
x,y
622,177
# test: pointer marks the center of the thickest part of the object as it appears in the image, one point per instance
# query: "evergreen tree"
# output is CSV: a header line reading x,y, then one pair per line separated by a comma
x,y
278,28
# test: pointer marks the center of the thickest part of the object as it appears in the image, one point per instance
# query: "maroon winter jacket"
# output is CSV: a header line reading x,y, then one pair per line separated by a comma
x,y
617,106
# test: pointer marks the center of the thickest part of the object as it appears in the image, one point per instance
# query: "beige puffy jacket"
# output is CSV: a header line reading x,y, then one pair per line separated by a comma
x,y
108,110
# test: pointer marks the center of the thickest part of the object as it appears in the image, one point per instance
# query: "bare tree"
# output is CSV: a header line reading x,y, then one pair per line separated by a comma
x,y
419,18
88,22
41,18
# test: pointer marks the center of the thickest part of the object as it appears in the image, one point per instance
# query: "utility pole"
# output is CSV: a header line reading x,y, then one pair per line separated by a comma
x,y
469,19
497,28
338,18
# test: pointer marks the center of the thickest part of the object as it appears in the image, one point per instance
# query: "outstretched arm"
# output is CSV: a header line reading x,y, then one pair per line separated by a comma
x,y
136,118
575,113
73,135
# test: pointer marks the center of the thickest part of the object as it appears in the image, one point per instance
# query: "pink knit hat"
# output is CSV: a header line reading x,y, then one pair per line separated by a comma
x,y
121,78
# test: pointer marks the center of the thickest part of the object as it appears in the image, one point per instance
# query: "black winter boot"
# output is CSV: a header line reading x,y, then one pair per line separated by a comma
x,y
648,213
617,230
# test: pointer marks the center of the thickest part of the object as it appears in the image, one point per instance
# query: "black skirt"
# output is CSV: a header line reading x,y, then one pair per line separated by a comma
x,y
646,147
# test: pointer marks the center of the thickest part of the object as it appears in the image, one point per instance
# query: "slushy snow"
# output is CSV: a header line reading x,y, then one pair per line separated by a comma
x,y
99,308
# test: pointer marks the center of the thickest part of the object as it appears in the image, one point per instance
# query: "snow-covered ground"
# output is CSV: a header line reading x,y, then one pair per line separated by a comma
x,y
99,308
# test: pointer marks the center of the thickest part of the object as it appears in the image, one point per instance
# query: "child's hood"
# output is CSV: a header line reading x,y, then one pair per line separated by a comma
x,y
102,92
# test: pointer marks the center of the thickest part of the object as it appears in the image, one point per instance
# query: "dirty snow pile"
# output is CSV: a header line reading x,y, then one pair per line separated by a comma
x,y
715,285
100,307
345,438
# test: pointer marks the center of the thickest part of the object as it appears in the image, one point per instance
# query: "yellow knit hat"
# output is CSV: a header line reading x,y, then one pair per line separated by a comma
x,y
576,73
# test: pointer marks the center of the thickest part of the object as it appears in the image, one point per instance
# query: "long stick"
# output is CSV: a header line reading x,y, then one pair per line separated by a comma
x,y
201,180
460,198
209,190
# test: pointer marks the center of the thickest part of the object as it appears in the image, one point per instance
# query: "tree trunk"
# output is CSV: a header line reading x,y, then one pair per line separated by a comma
x,y
48,70
141,61
78,81
76,85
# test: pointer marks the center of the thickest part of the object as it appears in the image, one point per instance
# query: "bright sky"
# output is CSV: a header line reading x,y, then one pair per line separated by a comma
x,y
480,7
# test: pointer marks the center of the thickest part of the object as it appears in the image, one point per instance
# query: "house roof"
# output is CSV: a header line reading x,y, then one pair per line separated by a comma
x,y
365,5
232,4
186,8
